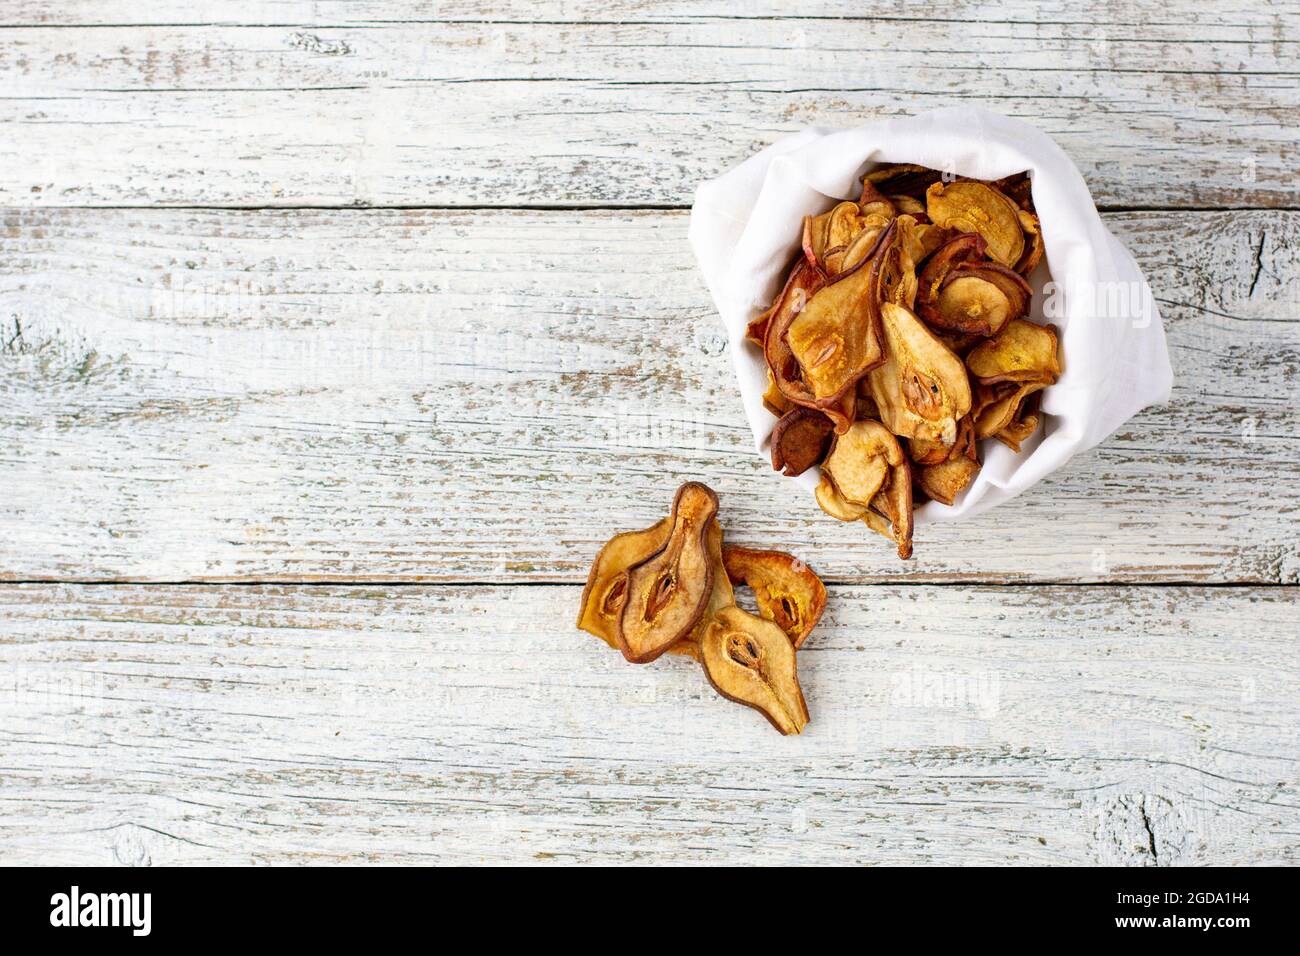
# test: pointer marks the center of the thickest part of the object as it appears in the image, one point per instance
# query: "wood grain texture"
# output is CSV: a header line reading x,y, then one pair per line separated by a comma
x,y
428,104
437,415
460,724
487,396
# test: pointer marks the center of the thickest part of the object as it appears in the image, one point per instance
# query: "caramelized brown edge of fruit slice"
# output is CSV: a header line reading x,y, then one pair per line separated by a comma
x,y
800,440
776,578
707,511
768,639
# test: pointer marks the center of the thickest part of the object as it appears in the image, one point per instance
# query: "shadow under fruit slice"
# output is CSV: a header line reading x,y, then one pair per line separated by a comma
x,y
751,661
922,388
787,591
668,592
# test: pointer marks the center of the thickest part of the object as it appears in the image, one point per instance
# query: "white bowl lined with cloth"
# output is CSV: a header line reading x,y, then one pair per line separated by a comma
x,y
745,228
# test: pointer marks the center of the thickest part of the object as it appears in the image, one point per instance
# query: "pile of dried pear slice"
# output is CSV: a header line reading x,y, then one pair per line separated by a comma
x,y
901,339
670,589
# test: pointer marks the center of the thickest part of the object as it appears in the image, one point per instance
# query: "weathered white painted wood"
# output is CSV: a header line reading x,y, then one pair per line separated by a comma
x,y
463,724
1188,109
1151,15
487,396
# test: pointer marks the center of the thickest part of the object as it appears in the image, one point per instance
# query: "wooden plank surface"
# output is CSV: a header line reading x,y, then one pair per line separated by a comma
x,y
419,424
463,724
487,396
328,104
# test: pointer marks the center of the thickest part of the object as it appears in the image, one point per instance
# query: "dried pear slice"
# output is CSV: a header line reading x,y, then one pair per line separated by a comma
x,y
860,460
873,202
925,452
781,363
722,595
1033,247
835,339
996,415
960,249
668,592
921,390
844,223
799,441
905,179
1021,352
831,502
830,229
787,591
945,481
751,661
1022,425
980,298
804,280
860,249
977,207
907,205
894,504
773,400
606,590
756,331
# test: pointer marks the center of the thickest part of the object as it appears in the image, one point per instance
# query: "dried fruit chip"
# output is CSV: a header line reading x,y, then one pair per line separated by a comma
x,y
834,505
756,331
721,596
908,205
956,251
978,207
773,400
786,590
606,590
873,202
945,481
979,298
905,179
860,248
925,452
751,661
859,461
921,390
1022,425
997,414
894,504
834,339
799,441
1021,352
668,592
804,280
1033,247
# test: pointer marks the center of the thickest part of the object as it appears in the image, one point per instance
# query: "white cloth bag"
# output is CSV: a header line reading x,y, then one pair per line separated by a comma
x,y
745,229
